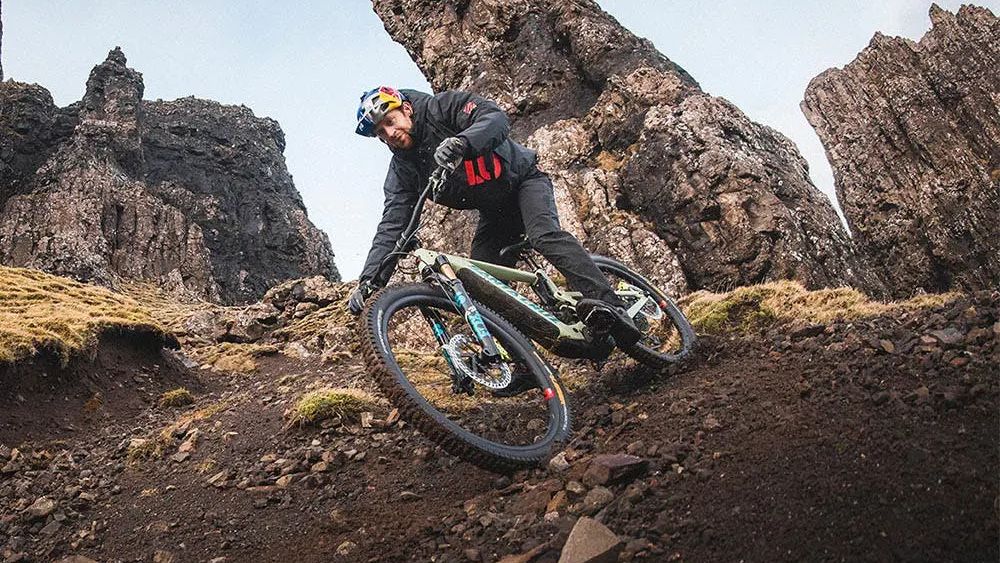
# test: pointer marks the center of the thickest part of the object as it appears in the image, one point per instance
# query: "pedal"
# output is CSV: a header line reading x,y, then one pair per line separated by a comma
x,y
600,321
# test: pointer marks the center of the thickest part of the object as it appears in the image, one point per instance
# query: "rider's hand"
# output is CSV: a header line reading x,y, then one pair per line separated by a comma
x,y
357,301
450,152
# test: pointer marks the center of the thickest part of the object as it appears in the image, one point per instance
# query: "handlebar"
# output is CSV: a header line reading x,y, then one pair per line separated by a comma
x,y
434,184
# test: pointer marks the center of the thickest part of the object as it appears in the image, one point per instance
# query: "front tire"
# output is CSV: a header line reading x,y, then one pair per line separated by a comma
x,y
499,434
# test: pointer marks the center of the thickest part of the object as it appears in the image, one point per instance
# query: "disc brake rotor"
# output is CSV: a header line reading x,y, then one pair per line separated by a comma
x,y
465,357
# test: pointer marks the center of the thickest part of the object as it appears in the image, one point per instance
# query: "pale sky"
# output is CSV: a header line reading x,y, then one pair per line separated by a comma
x,y
305,64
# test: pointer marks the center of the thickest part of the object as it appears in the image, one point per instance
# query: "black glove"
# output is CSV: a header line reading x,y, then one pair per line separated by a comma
x,y
450,152
357,301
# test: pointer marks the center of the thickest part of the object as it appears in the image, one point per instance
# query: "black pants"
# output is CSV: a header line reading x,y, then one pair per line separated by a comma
x,y
532,212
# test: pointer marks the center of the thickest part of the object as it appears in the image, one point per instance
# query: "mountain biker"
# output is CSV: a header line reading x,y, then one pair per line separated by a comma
x,y
499,177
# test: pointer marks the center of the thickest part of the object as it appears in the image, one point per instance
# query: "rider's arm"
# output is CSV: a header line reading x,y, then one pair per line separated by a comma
x,y
400,198
479,121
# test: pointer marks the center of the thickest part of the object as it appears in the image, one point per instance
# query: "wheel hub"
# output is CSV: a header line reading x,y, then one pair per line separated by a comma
x,y
468,360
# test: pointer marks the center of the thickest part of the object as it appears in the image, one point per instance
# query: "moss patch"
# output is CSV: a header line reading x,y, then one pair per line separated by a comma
x,y
176,398
39,311
753,308
330,403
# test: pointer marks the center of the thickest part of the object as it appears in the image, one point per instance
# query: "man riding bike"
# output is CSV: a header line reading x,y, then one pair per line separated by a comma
x,y
493,174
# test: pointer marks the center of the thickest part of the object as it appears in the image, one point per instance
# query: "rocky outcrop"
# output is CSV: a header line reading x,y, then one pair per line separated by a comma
x,y
913,133
1,42
190,194
647,167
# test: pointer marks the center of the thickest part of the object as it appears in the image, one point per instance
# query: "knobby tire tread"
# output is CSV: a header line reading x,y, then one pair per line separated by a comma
x,y
412,412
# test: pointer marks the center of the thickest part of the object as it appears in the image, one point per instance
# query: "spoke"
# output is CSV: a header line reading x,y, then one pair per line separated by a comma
x,y
424,361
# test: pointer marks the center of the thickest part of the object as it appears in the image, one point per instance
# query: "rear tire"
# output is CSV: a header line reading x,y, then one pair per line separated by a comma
x,y
443,421
646,350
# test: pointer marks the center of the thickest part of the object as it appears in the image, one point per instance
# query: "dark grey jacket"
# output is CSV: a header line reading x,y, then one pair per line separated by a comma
x,y
493,169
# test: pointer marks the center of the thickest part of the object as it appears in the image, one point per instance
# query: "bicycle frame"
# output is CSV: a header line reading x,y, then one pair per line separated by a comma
x,y
486,283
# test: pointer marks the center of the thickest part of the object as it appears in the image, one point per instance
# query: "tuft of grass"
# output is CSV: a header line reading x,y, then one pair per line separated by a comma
x,y
39,311
142,449
757,307
330,403
176,398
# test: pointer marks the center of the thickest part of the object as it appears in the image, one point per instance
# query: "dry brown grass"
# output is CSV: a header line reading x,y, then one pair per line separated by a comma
x,y
231,357
155,446
176,398
752,308
39,311
170,310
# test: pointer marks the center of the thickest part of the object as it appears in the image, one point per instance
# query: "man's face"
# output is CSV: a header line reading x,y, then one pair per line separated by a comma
x,y
394,129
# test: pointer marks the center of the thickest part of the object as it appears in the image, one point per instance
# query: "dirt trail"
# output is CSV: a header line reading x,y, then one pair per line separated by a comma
x,y
818,445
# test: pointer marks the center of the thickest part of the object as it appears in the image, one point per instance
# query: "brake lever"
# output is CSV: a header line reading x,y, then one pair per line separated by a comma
x,y
437,180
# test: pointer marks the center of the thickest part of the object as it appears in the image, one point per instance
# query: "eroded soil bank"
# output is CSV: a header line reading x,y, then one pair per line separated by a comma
x,y
873,440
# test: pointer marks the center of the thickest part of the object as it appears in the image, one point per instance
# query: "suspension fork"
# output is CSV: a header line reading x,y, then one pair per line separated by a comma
x,y
460,383
464,304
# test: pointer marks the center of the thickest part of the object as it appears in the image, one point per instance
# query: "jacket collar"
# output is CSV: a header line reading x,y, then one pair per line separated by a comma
x,y
418,100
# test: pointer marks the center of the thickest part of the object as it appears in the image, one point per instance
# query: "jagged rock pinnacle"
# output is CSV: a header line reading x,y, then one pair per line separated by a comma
x,y
916,157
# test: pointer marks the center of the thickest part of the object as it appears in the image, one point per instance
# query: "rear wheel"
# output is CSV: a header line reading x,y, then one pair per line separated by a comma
x,y
667,334
445,391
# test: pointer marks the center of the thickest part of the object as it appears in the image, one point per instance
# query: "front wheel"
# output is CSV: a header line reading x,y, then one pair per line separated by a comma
x,y
428,362
668,336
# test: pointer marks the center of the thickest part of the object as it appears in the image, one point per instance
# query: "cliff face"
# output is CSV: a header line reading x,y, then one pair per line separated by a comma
x,y
647,167
1,42
912,131
190,194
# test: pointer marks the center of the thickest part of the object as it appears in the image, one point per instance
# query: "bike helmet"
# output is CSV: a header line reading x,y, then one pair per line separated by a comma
x,y
375,104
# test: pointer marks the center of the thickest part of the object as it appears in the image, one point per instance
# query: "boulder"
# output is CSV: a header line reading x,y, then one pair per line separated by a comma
x,y
590,542
614,468
912,130
647,168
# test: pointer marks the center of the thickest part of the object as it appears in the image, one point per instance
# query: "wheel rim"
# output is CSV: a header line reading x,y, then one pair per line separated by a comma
x,y
523,424
660,335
